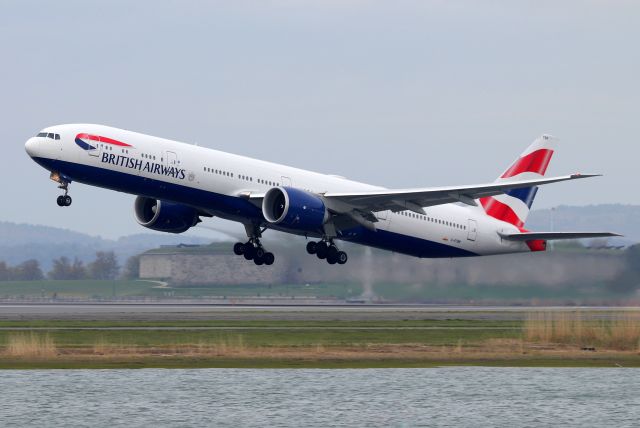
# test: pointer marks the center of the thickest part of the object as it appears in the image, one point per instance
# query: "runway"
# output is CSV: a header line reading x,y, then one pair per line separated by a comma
x,y
172,311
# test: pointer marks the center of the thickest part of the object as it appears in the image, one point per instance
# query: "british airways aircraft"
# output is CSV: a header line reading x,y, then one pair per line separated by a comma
x,y
177,183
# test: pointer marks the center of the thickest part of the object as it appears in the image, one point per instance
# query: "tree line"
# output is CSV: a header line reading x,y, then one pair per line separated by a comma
x,y
628,279
104,267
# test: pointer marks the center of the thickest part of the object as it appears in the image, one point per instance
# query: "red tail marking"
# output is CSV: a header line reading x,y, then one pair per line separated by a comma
x,y
537,245
537,162
500,211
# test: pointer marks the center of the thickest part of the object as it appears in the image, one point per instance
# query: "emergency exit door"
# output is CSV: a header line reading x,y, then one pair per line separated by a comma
x,y
472,230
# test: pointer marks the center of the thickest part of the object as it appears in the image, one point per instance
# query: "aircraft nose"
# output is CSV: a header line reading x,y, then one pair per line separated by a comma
x,y
30,146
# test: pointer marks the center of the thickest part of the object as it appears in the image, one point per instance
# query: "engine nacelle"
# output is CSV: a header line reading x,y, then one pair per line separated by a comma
x,y
164,216
294,209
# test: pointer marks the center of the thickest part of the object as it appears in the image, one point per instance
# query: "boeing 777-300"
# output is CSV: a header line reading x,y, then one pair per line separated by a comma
x,y
176,184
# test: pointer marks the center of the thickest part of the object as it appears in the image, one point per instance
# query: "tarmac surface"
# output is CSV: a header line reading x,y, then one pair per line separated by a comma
x,y
168,312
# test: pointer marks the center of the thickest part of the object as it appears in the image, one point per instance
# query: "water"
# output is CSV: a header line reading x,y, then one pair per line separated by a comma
x,y
502,397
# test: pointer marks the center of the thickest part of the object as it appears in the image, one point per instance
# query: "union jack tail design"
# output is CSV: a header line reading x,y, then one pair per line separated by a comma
x,y
513,207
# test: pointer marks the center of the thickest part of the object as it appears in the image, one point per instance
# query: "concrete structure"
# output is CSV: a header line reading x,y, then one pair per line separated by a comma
x,y
208,268
216,264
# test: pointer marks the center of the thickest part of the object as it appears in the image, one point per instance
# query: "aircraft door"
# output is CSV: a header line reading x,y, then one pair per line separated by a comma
x,y
384,218
172,159
472,230
95,143
286,181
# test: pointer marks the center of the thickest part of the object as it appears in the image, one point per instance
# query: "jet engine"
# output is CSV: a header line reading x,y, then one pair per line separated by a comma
x,y
294,209
164,216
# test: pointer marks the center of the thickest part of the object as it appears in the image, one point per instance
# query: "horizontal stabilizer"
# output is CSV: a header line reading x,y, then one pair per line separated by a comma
x,y
554,236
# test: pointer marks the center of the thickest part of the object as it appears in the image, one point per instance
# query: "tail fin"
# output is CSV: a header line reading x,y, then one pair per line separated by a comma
x,y
514,206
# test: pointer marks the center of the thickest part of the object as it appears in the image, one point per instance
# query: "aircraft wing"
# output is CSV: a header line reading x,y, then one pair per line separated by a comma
x,y
416,199
554,236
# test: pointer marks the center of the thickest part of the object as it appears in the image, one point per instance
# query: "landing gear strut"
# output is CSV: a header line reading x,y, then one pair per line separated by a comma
x,y
326,249
253,249
64,200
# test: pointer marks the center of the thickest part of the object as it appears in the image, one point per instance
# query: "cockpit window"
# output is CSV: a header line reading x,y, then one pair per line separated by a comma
x,y
49,135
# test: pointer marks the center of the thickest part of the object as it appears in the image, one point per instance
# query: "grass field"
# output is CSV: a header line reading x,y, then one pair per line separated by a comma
x,y
90,289
74,289
540,340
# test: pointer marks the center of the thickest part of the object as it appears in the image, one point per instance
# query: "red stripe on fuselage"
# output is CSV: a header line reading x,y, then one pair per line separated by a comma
x,y
500,211
537,162
101,139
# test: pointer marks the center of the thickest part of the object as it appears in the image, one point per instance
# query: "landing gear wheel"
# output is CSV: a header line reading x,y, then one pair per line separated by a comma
x,y
60,201
238,248
342,257
312,247
249,252
332,259
67,200
332,252
258,260
268,258
259,253
322,250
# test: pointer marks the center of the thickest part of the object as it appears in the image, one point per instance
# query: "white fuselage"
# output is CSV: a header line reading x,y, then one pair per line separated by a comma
x,y
217,183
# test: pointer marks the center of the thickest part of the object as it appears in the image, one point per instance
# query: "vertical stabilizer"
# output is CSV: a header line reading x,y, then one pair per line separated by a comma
x,y
514,206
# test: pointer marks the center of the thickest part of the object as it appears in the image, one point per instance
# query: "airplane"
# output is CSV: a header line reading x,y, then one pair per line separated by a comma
x,y
176,184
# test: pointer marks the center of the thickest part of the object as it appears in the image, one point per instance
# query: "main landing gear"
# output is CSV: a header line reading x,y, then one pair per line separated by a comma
x,y
64,200
327,250
253,250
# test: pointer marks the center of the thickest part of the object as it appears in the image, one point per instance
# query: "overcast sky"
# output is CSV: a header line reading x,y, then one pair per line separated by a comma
x,y
396,93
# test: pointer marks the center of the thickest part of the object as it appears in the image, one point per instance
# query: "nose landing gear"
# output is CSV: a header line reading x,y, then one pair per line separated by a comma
x,y
64,200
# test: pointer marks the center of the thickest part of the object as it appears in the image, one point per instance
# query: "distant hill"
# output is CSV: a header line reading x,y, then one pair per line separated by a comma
x,y
623,219
19,242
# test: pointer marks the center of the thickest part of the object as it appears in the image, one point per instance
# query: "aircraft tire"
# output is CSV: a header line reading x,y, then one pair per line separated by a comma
x,y
60,201
312,247
269,258
238,248
322,250
332,252
342,257
249,252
